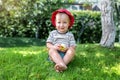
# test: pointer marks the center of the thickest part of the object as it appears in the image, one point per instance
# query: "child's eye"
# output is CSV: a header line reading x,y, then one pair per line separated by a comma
x,y
58,22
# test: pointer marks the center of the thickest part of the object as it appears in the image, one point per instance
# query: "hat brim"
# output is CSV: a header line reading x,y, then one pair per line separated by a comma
x,y
62,11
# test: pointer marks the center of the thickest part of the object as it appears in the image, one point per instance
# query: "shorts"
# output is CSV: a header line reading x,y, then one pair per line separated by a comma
x,y
62,54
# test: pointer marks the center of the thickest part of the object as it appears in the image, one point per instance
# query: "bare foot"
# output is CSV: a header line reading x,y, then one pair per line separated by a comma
x,y
60,67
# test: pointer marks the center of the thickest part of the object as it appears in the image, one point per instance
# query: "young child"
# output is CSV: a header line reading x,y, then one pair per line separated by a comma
x,y
61,43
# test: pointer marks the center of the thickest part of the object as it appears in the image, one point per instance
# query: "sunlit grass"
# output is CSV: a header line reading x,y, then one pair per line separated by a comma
x,y
117,44
115,69
28,51
112,70
99,55
29,62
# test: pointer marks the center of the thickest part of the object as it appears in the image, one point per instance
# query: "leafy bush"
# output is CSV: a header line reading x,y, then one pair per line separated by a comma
x,y
32,19
28,19
87,27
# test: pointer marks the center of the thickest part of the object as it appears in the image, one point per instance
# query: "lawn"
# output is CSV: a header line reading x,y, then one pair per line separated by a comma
x,y
26,59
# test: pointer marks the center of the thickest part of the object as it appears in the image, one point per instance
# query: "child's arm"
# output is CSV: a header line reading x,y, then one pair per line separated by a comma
x,y
56,47
72,48
51,46
64,49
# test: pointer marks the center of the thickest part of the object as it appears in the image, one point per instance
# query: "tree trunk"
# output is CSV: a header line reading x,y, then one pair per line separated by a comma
x,y
37,32
108,27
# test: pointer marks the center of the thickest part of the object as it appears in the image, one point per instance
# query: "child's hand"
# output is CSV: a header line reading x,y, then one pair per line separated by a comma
x,y
57,46
62,48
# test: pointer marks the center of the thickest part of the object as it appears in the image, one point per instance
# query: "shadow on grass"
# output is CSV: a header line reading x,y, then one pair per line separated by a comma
x,y
20,42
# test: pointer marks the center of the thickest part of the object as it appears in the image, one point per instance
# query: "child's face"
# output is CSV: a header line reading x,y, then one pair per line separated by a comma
x,y
62,22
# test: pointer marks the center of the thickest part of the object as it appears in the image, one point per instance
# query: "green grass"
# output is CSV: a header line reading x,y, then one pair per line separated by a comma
x,y
26,59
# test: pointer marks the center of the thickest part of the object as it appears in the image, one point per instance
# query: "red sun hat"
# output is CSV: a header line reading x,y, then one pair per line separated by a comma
x,y
62,11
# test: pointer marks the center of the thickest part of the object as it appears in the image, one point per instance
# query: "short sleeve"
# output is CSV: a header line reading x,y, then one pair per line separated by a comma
x,y
50,38
72,40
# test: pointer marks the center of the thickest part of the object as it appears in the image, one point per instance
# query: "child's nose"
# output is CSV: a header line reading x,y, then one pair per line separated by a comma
x,y
61,25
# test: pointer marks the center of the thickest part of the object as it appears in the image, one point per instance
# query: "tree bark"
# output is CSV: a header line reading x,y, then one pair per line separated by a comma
x,y
37,32
108,27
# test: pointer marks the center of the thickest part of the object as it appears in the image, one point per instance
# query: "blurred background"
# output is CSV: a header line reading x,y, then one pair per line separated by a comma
x,y
31,18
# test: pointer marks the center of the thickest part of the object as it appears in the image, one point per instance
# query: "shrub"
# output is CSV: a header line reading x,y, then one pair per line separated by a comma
x,y
87,27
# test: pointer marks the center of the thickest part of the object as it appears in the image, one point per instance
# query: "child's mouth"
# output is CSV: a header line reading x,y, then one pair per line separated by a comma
x,y
62,28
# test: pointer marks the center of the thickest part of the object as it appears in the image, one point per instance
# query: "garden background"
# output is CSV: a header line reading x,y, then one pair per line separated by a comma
x,y
24,27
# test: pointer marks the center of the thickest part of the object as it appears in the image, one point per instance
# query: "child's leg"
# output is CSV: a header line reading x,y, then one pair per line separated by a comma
x,y
59,68
69,56
57,59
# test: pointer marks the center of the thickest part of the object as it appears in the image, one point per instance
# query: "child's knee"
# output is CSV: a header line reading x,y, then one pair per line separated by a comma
x,y
71,52
52,50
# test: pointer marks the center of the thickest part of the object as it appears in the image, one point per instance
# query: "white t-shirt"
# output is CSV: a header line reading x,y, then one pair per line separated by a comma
x,y
61,38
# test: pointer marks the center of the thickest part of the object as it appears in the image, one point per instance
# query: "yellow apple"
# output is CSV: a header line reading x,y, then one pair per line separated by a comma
x,y
62,47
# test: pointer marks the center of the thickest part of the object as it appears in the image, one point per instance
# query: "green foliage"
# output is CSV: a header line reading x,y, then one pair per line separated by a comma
x,y
29,62
28,18
87,27
116,19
